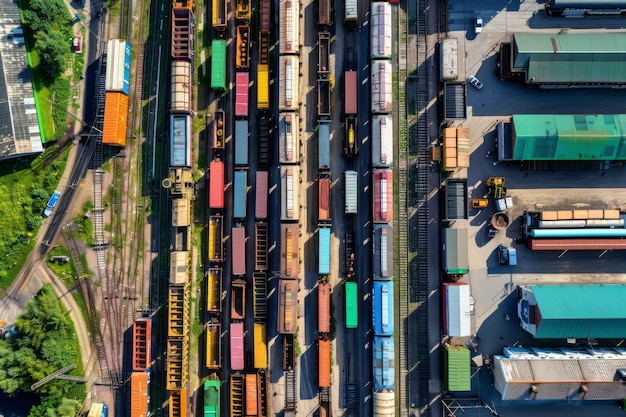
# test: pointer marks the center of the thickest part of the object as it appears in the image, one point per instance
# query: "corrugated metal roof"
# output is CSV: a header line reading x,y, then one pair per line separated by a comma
x,y
571,57
457,367
569,137
455,101
382,308
241,142
456,199
458,310
456,258
383,356
180,140
323,145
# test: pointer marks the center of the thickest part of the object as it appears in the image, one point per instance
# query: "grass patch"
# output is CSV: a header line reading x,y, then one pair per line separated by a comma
x,y
25,190
64,270
85,224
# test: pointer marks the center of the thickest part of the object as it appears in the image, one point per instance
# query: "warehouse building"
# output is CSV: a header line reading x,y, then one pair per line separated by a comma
x,y
557,60
560,374
19,126
573,311
556,137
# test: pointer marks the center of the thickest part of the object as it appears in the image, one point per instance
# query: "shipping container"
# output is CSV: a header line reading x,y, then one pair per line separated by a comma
x,y
240,194
182,34
181,140
262,192
323,181
323,53
261,249
383,252
263,86
288,74
216,233
323,267
214,290
289,27
252,395
216,184
243,10
265,125
259,281
455,259
212,390
117,77
238,300
323,344
115,118
241,142
290,196
178,404
350,12
236,347
181,85
323,307
237,398
242,55
350,191
260,346
350,90
238,251
289,250
220,15
287,306
382,308
214,346
323,145
382,141
241,94
383,196
382,88
380,35
383,366
142,344
288,146
218,64
456,309
324,13
139,394
323,98
265,18
384,404
352,306
219,129
577,244
351,145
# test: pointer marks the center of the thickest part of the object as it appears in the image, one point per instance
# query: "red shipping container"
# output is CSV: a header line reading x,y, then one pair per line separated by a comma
x,y
261,194
349,99
383,196
236,346
241,94
216,185
323,308
324,197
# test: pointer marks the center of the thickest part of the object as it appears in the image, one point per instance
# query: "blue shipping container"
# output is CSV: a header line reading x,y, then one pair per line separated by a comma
x,y
241,142
324,251
323,145
382,308
383,355
180,141
126,87
240,189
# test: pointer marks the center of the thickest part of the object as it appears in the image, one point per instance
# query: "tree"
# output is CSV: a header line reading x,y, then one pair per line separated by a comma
x,y
53,51
49,14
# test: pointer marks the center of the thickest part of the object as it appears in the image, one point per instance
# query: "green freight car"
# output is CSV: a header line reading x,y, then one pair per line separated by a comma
x,y
212,398
352,310
218,65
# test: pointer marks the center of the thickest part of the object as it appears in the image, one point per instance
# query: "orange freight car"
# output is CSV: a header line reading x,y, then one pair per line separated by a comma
x,y
115,118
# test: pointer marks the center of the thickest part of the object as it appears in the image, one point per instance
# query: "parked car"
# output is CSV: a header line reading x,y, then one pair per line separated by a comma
x,y
77,44
503,254
478,25
475,82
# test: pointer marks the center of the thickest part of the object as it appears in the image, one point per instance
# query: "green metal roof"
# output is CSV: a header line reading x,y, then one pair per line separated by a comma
x,y
457,368
581,311
352,305
569,137
596,58
455,251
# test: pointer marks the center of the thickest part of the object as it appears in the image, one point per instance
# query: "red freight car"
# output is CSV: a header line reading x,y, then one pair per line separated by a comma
x,y
142,336
241,94
261,194
238,250
216,184
323,308
383,196
324,198
349,98
236,347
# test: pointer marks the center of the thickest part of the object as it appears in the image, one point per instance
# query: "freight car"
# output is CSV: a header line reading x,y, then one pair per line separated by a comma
x,y
323,54
323,346
216,232
381,86
238,250
242,56
211,398
238,300
261,249
323,181
260,346
288,73
236,347
383,366
220,15
287,306
181,85
351,305
323,308
380,39
382,308
243,11
288,145
383,196
142,344
350,179
323,145
290,201
240,193
241,94
139,393
219,133
383,252
289,27
259,281
323,267
181,140
182,34
324,17
382,141
214,346
260,207
236,395
218,65
241,142
216,184
289,257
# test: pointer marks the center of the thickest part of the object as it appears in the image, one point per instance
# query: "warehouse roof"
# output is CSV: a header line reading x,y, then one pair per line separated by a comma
x,y
580,311
571,58
569,137
561,373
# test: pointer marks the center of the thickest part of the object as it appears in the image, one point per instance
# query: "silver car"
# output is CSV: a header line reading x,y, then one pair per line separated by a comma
x,y
475,82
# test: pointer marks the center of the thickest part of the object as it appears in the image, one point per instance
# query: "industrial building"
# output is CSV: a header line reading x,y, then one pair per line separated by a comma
x,y
556,60
573,311
19,127
560,374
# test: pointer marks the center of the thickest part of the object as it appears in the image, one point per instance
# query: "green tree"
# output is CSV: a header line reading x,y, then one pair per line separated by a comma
x,y
32,222
51,14
53,50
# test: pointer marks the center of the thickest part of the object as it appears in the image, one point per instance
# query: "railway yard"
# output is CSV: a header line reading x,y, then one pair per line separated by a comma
x,y
344,222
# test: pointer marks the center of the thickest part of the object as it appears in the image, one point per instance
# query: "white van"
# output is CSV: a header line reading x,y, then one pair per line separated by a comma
x,y
512,256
